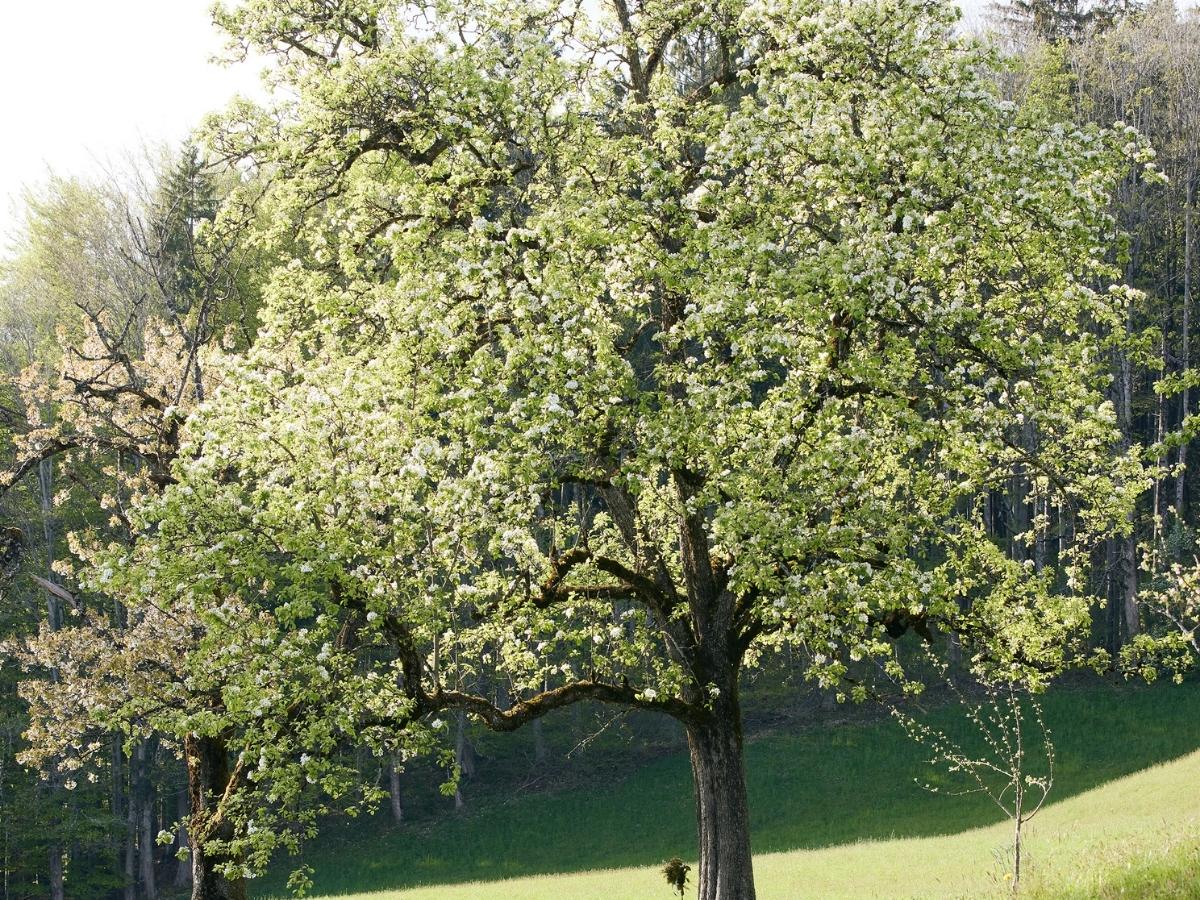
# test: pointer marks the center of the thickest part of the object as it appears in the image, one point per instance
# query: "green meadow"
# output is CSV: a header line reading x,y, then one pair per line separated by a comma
x,y
836,812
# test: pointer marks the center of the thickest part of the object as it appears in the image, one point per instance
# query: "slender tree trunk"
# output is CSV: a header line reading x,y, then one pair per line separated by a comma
x,y
145,802
54,613
722,811
1064,531
1185,338
4,824
539,742
464,756
1019,520
1017,855
1159,430
1124,575
183,868
1112,611
54,621
1129,586
120,797
146,845
394,792
131,836
57,883
1041,508
208,776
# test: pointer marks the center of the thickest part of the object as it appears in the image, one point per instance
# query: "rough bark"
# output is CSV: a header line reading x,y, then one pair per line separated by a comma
x,y
208,776
722,812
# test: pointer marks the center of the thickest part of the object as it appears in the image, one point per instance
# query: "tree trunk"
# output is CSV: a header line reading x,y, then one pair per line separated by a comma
x,y
1129,586
1016,885
1112,609
464,756
57,885
54,612
722,812
394,792
147,844
145,803
121,797
183,868
208,776
1185,359
54,621
1021,519
1125,574
539,742
131,837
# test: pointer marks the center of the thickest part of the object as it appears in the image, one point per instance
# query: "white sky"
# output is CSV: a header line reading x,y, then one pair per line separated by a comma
x,y
85,83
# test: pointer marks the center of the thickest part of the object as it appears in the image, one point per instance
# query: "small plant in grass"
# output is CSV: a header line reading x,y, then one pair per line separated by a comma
x,y
676,873
1013,762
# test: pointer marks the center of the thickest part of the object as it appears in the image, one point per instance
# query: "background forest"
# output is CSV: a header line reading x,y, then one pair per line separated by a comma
x,y
177,242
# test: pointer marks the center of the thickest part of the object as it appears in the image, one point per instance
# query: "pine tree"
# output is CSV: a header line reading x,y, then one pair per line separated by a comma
x,y
1054,21
186,198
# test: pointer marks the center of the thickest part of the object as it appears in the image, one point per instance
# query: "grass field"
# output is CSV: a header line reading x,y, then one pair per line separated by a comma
x,y
1137,837
845,796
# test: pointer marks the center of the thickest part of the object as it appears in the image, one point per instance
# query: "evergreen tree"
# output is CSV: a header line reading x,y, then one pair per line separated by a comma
x,y
1054,21
187,197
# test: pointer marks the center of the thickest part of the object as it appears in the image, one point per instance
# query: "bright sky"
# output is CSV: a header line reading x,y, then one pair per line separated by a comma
x,y
85,83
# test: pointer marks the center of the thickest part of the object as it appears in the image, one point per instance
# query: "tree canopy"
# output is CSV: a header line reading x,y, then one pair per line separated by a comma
x,y
612,347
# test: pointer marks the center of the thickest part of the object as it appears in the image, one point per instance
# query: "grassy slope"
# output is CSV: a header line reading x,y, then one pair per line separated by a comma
x,y
1113,841
809,789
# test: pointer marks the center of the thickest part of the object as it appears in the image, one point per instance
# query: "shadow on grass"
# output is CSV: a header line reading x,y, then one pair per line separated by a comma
x,y
811,787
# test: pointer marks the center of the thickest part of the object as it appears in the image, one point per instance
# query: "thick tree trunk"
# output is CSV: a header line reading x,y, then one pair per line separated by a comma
x,y
208,776
722,812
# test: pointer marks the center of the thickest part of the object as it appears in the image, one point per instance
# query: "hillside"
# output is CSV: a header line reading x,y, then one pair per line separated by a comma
x,y
848,789
1140,836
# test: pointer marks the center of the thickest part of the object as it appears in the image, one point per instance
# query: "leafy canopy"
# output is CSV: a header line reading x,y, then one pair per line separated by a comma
x,y
616,345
